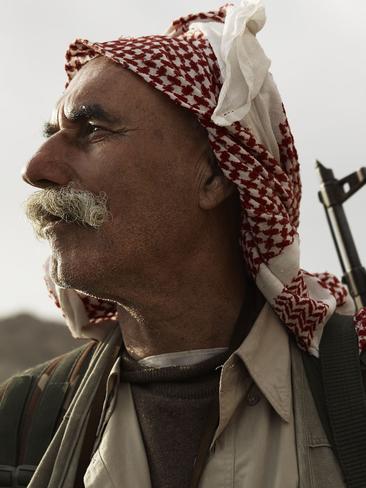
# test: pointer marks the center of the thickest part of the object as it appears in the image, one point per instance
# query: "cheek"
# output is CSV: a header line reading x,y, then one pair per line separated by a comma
x,y
152,217
150,190
152,206
148,186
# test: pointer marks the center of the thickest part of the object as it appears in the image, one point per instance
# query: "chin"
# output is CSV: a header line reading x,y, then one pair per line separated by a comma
x,y
66,275
79,276
59,275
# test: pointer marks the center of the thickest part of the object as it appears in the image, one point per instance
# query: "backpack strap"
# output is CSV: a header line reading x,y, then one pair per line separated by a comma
x,y
32,405
14,396
47,412
339,396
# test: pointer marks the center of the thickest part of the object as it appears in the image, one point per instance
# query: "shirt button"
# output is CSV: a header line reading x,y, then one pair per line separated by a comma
x,y
253,398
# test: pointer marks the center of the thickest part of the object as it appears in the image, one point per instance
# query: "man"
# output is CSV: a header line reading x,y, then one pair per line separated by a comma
x,y
161,153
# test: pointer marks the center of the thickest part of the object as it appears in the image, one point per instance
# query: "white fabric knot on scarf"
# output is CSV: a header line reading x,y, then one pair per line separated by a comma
x,y
243,63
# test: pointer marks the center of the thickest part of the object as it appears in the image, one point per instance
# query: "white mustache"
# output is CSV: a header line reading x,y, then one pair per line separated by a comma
x,y
67,204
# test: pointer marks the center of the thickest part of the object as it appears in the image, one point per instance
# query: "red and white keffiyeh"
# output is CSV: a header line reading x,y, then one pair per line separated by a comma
x,y
213,65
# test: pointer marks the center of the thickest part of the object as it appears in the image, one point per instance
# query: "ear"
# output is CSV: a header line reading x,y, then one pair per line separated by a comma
x,y
215,187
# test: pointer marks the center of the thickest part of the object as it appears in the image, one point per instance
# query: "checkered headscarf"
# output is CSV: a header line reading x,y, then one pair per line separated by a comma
x,y
212,64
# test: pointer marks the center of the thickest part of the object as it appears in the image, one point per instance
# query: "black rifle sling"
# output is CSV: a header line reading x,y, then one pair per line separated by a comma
x,y
313,374
340,398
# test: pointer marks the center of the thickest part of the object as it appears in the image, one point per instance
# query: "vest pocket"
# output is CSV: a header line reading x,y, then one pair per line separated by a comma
x,y
324,469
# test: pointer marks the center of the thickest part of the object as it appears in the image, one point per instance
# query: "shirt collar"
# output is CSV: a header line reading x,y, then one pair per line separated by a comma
x,y
266,355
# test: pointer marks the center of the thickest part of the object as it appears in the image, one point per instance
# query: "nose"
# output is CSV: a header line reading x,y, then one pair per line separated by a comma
x,y
48,167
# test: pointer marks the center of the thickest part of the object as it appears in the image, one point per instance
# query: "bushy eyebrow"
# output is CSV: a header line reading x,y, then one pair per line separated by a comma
x,y
82,114
91,112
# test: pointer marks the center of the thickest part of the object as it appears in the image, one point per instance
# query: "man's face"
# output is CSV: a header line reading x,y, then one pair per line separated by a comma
x,y
111,132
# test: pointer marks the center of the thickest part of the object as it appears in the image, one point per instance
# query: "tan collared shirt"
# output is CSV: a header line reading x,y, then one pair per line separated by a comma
x,y
254,444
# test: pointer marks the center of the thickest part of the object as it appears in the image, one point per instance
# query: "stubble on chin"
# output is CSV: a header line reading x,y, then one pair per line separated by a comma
x,y
76,275
57,272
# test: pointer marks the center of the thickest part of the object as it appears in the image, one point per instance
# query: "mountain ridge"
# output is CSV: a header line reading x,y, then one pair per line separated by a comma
x,y
27,340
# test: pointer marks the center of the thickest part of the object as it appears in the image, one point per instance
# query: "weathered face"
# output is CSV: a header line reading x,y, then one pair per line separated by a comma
x,y
111,132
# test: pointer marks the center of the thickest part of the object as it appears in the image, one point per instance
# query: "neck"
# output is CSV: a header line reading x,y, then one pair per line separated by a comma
x,y
197,311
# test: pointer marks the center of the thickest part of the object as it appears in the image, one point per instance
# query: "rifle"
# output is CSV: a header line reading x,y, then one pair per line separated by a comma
x,y
333,193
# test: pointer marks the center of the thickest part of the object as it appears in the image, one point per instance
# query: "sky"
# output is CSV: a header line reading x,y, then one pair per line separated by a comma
x,y
318,58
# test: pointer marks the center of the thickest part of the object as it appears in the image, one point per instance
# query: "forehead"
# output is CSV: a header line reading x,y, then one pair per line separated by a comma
x,y
105,83
121,92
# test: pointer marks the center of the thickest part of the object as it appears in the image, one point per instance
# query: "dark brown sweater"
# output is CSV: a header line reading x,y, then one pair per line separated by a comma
x,y
172,406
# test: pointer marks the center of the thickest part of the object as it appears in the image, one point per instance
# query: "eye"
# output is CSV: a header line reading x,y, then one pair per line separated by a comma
x,y
94,133
92,129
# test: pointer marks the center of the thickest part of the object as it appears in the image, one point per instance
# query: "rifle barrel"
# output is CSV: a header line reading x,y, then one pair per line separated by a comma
x,y
332,196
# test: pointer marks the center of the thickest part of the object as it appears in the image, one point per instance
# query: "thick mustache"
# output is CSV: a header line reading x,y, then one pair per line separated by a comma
x,y
68,204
